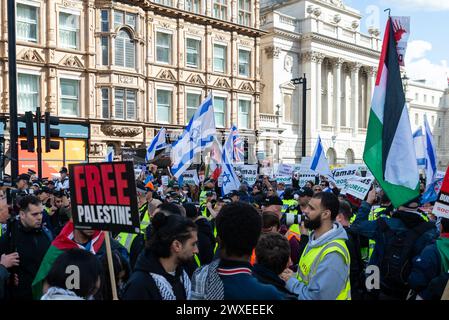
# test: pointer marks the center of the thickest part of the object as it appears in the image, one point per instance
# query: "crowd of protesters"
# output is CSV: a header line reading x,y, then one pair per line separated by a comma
x,y
264,241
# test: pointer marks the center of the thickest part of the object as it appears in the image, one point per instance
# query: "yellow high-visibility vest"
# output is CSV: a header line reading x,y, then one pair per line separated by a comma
x,y
308,264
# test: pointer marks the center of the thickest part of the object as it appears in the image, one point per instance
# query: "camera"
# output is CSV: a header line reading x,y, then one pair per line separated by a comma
x,y
292,218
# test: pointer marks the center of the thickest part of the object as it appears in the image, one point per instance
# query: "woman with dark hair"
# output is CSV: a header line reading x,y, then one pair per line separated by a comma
x,y
75,275
121,271
158,274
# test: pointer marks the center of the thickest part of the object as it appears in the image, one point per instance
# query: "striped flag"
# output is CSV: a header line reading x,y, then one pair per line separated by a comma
x,y
319,163
389,149
158,143
418,140
430,155
238,152
214,167
230,180
109,156
197,136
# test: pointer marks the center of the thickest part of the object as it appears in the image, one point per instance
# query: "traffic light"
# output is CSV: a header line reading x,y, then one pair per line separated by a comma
x,y
50,132
27,132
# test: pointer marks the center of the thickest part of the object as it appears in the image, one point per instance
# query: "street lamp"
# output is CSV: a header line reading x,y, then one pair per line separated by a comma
x,y
303,81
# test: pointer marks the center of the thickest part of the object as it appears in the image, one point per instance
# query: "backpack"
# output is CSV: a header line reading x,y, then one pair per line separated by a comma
x,y
395,265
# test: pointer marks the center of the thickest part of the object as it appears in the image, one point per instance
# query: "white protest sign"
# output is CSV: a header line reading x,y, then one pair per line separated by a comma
x,y
297,167
267,171
249,173
358,187
306,175
220,181
441,207
164,180
285,169
287,180
342,175
439,175
190,177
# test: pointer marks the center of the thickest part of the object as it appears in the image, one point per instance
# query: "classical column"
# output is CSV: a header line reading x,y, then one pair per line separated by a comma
x,y
337,93
371,83
50,33
90,41
319,63
51,91
309,60
355,67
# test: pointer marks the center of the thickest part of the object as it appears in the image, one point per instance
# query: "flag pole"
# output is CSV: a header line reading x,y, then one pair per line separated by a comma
x,y
445,295
110,265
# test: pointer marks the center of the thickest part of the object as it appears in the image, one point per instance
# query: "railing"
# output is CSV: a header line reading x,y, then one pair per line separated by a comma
x,y
267,117
327,127
345,129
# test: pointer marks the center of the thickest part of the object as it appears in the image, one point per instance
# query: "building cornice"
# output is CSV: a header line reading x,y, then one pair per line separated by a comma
x,y
341,44
196,18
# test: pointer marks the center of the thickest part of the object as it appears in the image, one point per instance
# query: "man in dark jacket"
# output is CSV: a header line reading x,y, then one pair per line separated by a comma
x,y
357,266
272,257
158,274
404,219
431,263
30,240
206,239
230,278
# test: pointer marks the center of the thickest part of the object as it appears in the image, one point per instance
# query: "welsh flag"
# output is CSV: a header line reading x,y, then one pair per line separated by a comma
x,y
64,241
389,149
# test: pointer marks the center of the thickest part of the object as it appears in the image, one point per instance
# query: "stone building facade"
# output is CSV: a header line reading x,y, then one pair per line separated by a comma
x,y
322,39
123,69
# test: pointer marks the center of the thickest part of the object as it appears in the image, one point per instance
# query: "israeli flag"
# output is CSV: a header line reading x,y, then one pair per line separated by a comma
x,y
156,144
431,155
230,180
319,162
197,136
418,140
109,156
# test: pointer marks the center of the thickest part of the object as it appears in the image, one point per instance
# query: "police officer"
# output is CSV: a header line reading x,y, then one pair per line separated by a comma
x,y
63,183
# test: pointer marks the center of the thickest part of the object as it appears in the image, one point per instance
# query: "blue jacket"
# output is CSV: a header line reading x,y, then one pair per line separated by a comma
x,y
400,222
425,267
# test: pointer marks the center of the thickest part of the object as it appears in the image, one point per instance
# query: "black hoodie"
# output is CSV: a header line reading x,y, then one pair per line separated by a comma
x,y
141,285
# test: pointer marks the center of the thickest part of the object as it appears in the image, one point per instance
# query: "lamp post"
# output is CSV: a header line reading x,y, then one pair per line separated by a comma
x,y
303,81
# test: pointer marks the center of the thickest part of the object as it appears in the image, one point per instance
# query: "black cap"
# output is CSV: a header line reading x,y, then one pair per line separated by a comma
x,y
140,187
175,186
232,193
31,172
273,200
24,176
173,194
412,204
210,194
305,192
63,170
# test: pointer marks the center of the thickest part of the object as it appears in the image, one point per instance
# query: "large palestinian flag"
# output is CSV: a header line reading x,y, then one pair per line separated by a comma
x,y
389,150
64,241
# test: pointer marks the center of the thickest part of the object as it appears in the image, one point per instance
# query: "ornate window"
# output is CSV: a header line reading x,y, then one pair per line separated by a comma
x,y
124,50
245,12
27,22
221,9
28,92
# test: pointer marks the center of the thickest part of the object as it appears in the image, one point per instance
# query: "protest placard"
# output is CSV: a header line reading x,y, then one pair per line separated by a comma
x,y
287,180
306,175
104,197
441,207
342,175
285,169
249,173
190,177
165,180
267,171
358,187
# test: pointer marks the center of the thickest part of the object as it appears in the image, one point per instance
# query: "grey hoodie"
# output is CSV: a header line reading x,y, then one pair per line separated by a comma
x,y
332,272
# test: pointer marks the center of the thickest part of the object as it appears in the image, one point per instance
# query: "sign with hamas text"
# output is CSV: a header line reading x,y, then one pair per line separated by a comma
x,y
249,173
358,187
104,196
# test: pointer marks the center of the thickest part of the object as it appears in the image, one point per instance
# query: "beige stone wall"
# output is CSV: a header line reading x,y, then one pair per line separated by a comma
x,y
48,59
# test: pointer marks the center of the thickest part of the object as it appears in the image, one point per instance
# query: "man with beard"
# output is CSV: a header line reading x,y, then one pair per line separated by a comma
x,y
159,274
323,270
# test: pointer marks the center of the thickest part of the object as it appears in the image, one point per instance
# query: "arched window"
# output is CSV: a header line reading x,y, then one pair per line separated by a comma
x,y
124,50
331,156
349,156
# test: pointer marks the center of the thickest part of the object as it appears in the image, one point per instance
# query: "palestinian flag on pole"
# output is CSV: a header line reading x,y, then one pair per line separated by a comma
x,y
64,241
389,149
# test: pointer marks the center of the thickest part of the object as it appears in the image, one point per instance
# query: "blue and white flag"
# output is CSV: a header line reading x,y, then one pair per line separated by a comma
x,y
230,180
238,150
156,144
431,155
197,136
319,162
418,140
109,155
